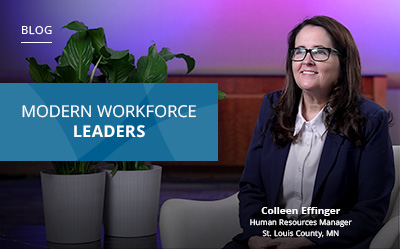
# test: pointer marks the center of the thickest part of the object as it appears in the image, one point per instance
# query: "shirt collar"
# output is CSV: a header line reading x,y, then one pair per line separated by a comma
x,y
317,124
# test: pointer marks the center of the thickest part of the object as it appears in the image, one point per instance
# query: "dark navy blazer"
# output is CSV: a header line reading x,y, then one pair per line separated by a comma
x,y
356,180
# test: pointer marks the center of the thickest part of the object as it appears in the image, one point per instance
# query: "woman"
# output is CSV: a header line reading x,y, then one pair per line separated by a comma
x,y
320,151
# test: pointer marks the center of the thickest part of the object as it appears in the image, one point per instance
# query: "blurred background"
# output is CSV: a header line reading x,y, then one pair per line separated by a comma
x,y
239,44
226,37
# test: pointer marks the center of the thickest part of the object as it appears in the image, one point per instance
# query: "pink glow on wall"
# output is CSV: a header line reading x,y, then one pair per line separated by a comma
x,y
224,36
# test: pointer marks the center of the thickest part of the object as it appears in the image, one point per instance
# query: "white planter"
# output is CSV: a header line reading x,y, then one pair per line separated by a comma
x,y
132,202
73,206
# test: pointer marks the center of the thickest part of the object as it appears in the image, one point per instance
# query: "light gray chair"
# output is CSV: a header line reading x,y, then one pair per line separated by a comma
x,y
211,224
199,224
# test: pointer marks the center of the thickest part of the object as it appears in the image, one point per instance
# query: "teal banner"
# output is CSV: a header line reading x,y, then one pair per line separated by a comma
x,y
109,122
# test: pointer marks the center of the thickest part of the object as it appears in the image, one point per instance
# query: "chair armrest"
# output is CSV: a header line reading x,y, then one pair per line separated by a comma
x,y
388,235
199,224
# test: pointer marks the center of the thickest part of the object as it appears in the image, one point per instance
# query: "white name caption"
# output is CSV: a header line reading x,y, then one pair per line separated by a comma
x,y
300,233
318,224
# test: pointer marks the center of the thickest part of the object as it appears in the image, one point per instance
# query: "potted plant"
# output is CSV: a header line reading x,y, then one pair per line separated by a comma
x,y
73,197
86,47
131,199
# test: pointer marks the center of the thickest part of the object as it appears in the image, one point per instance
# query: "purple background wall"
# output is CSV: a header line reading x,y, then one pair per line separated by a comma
x,y
224,36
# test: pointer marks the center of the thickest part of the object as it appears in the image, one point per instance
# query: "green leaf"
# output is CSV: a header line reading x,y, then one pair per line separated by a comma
x,y
78,54
143,167
115,169
98,39
108,53
75,25
119,70
190,62
221,95
167,55
57,59
73,167
128,165
151,68
131,59
39,73
66,74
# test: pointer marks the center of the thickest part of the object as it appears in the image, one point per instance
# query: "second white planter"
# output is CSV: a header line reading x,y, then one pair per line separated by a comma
x,y
132,202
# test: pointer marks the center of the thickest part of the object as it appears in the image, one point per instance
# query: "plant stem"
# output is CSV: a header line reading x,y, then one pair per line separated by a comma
x,y
136,165
94,69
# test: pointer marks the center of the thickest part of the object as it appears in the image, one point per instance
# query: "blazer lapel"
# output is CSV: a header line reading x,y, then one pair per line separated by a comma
x,y
328,158
278,159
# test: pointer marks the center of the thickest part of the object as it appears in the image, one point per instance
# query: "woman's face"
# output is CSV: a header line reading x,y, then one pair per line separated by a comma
x,y
315,77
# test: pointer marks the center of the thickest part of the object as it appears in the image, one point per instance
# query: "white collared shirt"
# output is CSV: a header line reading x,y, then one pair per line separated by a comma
x,y
302,163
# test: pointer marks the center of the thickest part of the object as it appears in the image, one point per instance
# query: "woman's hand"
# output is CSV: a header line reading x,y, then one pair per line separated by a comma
x,y
289,243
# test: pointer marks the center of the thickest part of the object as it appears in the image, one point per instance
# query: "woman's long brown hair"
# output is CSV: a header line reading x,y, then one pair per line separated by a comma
x,y
343,115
